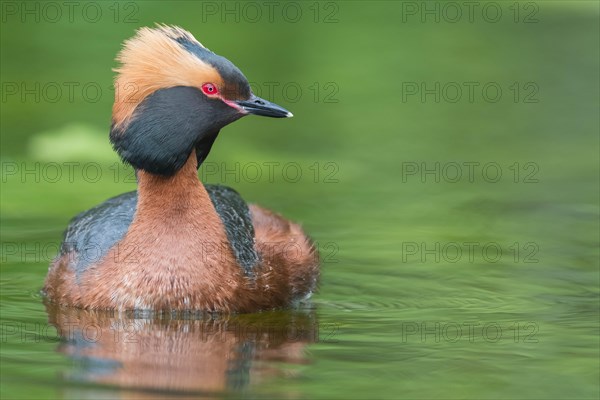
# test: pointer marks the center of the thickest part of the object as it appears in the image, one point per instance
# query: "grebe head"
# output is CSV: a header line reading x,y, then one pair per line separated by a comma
x,y
173,95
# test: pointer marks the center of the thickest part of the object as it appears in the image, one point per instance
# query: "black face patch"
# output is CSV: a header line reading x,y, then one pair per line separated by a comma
x,y
167,125
237,86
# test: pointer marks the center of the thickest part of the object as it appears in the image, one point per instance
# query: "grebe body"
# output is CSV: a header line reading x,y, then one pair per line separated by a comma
x,y
175,243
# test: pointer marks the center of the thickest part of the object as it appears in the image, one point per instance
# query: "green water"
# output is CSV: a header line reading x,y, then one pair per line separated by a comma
x,y
459,239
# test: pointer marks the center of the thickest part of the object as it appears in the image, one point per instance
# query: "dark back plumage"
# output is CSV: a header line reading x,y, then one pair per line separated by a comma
x,y
92,233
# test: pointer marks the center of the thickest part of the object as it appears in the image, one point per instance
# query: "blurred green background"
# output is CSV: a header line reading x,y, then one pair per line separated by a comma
x,y
373,87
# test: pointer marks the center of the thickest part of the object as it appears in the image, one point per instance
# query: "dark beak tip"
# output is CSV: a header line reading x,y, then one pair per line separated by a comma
x,y
257,106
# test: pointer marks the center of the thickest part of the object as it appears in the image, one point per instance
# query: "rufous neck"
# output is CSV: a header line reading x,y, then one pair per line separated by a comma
x,y
177,191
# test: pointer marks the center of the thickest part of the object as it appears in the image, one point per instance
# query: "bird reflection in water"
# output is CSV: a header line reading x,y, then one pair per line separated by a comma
x,y
184,353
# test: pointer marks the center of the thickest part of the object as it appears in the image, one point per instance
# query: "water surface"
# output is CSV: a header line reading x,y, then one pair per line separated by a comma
x,y
436,282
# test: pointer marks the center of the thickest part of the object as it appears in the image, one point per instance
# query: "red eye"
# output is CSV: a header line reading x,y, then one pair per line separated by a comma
x,y
209,89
